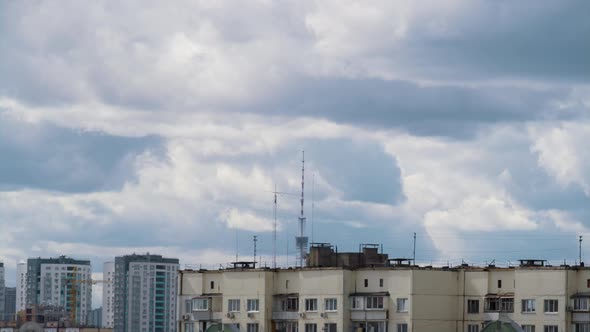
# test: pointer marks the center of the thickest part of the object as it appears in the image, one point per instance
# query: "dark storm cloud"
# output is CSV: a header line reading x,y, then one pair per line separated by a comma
x,y
53,158
535,40
422,110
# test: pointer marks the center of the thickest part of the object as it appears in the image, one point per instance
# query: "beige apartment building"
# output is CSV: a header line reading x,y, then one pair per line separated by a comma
x,y
394,296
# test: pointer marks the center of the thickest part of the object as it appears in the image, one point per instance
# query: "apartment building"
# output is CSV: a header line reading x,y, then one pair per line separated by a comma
x,y
395,297
108,295
62,281
21,286
145,291
2,292
9,303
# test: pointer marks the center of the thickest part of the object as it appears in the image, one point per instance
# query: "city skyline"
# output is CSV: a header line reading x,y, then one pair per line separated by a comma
x,y
165,128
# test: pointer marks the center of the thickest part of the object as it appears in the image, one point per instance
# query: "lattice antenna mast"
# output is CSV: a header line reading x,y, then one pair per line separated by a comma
x,y
274,232
301,240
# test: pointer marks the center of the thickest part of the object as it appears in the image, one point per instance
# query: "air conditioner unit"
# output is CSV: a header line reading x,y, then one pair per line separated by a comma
x,y
302,314
186,317
569,308
324,315
230,315
250,315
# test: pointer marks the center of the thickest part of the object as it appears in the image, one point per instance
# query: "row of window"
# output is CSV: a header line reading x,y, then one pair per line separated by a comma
x,y
526,328
311,305
506,304
376,302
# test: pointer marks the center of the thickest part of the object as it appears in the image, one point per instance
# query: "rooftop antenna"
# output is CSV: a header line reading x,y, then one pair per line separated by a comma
x,y
255,240
580,253
312,202
274,232
301,240
414,252
236,244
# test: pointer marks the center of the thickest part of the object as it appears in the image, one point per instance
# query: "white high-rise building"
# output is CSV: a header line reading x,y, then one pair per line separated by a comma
x,y
108,296
53,281
21,286
145,293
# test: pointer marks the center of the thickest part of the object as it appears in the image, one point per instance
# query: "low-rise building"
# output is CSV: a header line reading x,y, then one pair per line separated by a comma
x,y
395,297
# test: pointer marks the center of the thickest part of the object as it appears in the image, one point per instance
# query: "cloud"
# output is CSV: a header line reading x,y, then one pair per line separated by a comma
x,y
246,221
561,152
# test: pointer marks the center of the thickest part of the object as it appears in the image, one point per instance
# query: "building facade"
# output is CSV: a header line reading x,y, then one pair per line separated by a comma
x,y
532,296
21,286
2,291
63,282
145,291
108,295
9,303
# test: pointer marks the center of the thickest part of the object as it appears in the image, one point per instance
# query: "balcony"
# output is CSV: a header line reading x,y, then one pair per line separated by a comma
x,y
286,307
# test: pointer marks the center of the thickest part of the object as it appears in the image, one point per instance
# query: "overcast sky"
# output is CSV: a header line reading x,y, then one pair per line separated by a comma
x,y
153,126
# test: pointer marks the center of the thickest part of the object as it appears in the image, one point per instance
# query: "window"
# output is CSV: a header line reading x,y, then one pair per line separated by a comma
x,y
472,306
252,327
380,282
287,284
507,304
200,304
311,327
402,327
499,283
587,283
374,302
492,304
290,304
189,305
330,327
357,303
212,284
402,305
366,282
252,305
528,305
581,304
331,305
550,328
528,328
582,327
287,326
233,305
311,304
472,328
550,307
189,327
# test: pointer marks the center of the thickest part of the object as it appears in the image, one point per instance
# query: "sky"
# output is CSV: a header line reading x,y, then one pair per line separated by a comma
x,y
150,126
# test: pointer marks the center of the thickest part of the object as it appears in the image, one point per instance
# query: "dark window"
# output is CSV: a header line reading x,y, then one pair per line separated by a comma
x,y
472,306
499,283
366,282
588,283
380,282
286,283
212,284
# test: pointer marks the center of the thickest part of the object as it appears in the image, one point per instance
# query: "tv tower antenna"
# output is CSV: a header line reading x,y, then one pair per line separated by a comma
x,y
301,240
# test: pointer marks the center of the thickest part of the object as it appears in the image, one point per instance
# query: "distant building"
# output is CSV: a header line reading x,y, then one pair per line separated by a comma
x,y
145,293
53,281
2,294
94,318
21,286
9,303
108,295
